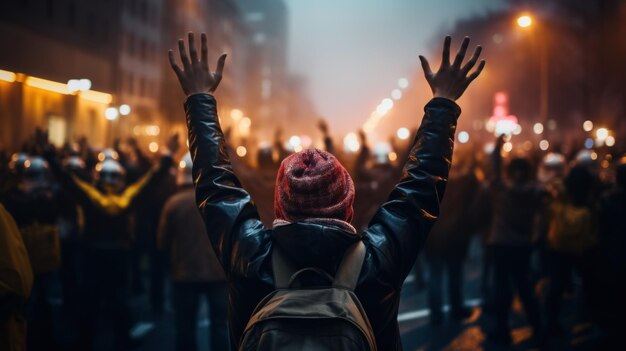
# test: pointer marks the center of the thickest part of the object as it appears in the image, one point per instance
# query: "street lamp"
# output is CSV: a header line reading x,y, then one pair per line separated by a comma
x,y
76,85
524,21
111,113
124,110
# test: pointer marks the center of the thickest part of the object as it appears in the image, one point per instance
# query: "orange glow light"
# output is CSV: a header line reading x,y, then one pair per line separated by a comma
x,y
7,76
524,21
47,85
96,96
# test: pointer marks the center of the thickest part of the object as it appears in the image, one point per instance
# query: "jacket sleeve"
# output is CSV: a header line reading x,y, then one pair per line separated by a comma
x,y
400,227
232,221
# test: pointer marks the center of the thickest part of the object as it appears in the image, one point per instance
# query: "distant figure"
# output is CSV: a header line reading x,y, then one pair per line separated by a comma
x,y
516,201
612,241
328,140
36,207
572,237
447,245
195,271
108,205
16,281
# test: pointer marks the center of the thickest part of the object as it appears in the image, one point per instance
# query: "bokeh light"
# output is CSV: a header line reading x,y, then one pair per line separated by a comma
x,y
241,151
403,133
463,137
524,21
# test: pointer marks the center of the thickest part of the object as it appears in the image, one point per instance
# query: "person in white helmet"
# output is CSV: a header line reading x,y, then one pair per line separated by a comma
x,y
107,242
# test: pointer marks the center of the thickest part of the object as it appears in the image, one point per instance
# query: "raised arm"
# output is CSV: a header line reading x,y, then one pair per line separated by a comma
x,y
231,218
400,227
496,160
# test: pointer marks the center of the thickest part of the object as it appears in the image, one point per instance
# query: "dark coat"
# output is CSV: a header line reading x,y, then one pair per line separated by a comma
x,y
393,239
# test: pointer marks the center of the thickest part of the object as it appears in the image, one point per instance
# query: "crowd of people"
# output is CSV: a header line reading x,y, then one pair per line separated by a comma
x,y
102,226
91,219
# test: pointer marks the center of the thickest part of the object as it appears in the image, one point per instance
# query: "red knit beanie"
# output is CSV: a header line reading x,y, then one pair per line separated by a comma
x,y
313,184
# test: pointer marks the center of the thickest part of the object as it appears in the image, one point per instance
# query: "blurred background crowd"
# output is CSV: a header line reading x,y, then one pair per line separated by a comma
x,y
531,228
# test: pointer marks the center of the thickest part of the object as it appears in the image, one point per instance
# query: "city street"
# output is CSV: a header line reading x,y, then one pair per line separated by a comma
x,y
417,333
458,166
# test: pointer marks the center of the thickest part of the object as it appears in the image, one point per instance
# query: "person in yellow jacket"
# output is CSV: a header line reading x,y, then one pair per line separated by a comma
x,y
16,281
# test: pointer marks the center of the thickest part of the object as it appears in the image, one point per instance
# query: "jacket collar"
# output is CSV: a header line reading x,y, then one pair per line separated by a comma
x,y
314,242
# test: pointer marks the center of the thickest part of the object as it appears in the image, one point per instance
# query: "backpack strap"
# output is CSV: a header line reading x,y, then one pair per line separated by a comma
x,y
349,269
282,267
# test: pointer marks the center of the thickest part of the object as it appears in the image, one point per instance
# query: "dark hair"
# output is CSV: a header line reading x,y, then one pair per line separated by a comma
x,y
578,185
519,168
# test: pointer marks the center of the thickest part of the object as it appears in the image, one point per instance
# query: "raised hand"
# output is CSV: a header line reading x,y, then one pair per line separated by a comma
x,y
196,77
452,79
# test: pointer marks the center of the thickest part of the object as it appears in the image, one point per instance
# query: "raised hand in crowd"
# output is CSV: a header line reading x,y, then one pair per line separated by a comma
x,y
196,76
451,80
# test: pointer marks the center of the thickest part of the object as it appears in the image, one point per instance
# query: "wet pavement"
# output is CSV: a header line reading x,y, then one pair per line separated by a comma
x,y
157,333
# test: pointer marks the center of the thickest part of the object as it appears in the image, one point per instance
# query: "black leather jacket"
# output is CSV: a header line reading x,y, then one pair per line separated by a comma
x,y
393,239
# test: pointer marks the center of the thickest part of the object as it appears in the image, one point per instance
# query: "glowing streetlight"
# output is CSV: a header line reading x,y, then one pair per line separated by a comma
x,y
392,156
241,151
463,137
588,126
538,128
403,133
84,84
236,114
610,141
74,85
524,21
396,94
403,83
245,122
351,142
124,110
111,113
295,141
602,133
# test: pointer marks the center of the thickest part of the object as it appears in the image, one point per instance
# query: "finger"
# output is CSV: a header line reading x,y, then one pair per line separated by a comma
x,y
461,54
445,58
175,67
470,64
426,67
476,73
204,60
193,52
220,65
183,54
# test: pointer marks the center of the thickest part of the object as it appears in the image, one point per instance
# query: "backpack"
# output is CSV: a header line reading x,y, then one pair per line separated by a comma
x,y
571,228
311,318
